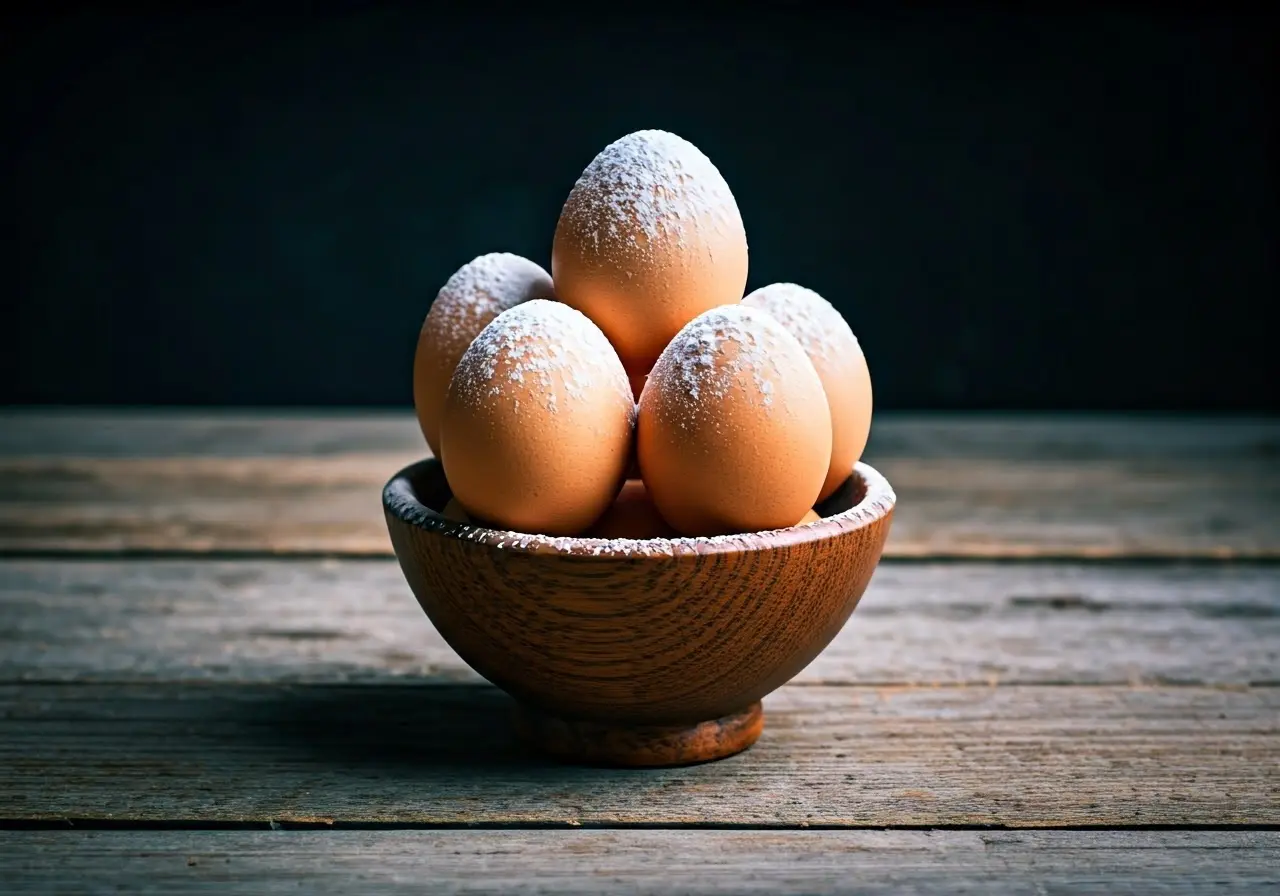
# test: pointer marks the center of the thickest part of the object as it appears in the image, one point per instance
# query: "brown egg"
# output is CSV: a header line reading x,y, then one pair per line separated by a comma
x,y
633,461
453,511
649,238
632,515
734,434
538,422
478,292
637,383
838,358
810,516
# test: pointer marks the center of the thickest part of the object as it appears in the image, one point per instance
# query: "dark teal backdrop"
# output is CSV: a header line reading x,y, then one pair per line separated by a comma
x,y
1051,211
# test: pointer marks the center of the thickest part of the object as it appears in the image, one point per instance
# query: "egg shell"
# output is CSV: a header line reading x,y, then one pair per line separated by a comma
x,y
538,422
633,461
840,363
632,515
649,237
477,292
811,516
734,434
637,380
453,511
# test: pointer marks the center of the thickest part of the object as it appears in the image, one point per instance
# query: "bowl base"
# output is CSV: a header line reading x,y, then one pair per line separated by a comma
x,y
639,746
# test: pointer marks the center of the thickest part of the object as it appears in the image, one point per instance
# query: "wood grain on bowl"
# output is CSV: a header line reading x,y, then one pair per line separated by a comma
x,y
610,744
629,634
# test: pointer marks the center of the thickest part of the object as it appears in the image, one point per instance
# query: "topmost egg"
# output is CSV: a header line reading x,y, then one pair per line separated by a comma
x,y
649,238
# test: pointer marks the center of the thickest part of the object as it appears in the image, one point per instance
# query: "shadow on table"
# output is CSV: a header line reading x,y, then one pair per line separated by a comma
x,y
403,727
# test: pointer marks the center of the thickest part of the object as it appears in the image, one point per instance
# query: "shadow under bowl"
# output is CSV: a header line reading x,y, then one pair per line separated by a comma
x,y
638,652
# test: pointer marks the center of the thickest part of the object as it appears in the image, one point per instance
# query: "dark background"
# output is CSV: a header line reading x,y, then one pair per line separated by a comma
x,y
1013,211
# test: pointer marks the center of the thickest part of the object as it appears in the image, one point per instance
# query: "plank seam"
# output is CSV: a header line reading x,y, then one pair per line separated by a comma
x,y
405,682
286,824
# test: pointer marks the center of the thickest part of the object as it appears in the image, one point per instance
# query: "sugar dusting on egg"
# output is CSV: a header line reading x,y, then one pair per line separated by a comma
x,y
649,237
473,296
546,348
734,431
821,329
649,187
481,289
840,362
727,349
538,422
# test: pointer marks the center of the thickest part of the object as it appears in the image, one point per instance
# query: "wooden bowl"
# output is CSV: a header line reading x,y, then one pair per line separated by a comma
x,y
638,652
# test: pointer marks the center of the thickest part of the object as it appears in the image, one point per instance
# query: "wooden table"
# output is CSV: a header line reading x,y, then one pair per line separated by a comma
x,y
213,677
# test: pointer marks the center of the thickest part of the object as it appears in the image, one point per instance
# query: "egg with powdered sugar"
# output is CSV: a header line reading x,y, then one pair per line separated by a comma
x,y
536,431
841,365
734,432
650,237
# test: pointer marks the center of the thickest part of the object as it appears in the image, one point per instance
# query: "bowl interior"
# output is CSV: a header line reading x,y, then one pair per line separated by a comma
x,y
417,495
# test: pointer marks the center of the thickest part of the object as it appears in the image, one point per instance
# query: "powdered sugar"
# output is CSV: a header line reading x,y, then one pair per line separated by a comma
x,y
648,187
478,292
729,349
814,321
542,350
631,547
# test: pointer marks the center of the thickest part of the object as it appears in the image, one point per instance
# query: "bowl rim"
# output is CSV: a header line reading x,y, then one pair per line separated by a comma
x,y
399,500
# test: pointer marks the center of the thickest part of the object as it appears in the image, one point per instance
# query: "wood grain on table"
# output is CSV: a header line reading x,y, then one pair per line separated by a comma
x,y
206,654
968,487
999,863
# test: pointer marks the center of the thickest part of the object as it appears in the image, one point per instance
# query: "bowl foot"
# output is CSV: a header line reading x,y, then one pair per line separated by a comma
x,y
612,744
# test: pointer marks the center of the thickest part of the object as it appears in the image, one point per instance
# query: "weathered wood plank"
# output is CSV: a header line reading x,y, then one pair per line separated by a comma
x,y
356,621
173,432
330,505
640,862
968,487
847,756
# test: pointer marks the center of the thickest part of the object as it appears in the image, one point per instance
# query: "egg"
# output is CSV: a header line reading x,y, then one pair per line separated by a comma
x,y
477,292
649,237
632,515
538,422
734,433
637,383
811,516
840,363
453,511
